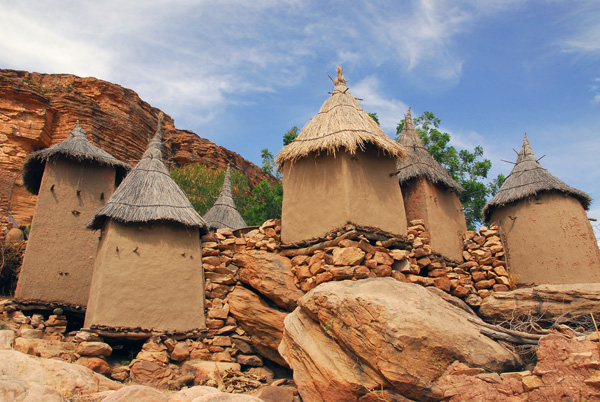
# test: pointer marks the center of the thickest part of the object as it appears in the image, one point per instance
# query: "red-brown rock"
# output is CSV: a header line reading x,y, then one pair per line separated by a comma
x,y
180,352
41,109
95,364
271,275
262,322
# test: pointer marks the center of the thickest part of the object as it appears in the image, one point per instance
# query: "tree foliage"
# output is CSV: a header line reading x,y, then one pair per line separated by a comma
x,y
202,186
468,168
374,117
290,135
264,203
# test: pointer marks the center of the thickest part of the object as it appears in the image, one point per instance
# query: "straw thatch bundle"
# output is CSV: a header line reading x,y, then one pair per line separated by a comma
x,y
419,162
148,194
224,213
529,178
75,147
340,124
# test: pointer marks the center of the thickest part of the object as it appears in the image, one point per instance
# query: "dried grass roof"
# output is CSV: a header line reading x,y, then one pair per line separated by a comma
x,y
529,178
75,147
419,162
341,124
224,214
149,194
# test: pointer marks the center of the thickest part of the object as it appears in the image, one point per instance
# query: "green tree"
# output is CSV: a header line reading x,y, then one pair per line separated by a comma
x,y
202,186
268,162
468,168
290,135
264,203
374,117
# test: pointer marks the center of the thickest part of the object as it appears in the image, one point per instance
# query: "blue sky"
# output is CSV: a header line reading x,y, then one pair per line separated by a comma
x,y
241,73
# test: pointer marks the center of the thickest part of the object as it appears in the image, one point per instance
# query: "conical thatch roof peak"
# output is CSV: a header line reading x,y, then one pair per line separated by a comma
x,y
419,162
224,213
529,178
149,194
75,147
340,125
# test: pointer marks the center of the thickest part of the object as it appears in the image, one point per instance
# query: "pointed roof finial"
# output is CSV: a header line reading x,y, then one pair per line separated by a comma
x,y
340,80
526,153
408,122
78,131
155,145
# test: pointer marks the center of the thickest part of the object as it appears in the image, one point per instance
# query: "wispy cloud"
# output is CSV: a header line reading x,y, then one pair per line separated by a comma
x,y
200,56
390,111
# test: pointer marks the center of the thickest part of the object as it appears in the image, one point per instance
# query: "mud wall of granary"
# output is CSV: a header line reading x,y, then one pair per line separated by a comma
x,y
442,213
327,191
147,276
549,240
58,263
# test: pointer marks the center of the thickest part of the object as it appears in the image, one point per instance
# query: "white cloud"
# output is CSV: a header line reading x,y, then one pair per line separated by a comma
x,y
25,43
390,111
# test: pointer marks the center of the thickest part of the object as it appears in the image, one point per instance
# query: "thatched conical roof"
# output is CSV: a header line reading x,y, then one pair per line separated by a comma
x,y
341,124
148,194
529,178
419,162
224,214
75,147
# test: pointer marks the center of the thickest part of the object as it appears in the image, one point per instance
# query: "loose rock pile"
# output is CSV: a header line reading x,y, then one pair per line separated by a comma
x,y
226,341
485,261
354,253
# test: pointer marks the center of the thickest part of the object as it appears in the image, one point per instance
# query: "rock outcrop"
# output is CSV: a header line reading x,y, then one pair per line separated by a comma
x,y
550,302
271,275
381,333
567,370
262,322
64,377
40,110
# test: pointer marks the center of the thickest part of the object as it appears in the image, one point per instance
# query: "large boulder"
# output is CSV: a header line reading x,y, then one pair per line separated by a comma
x,y
550,301
271,275
189,394
225,397
381,333
23,391
262,322
62,376
137,393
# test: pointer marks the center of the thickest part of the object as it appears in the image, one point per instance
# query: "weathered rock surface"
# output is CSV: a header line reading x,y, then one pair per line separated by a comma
x,y
262,322
204,370
151,373
7,338
271,275
276,394
40,110
137,393
322,370
63,377
24,391
94,349
551,301
398,335
189,394
563,373
225,397
95,364
45,348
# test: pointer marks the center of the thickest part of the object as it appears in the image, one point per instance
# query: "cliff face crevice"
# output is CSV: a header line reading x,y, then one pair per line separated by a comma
x,y
40,110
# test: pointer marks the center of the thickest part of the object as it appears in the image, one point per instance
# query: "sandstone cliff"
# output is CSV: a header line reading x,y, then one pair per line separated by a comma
x,y
40,110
